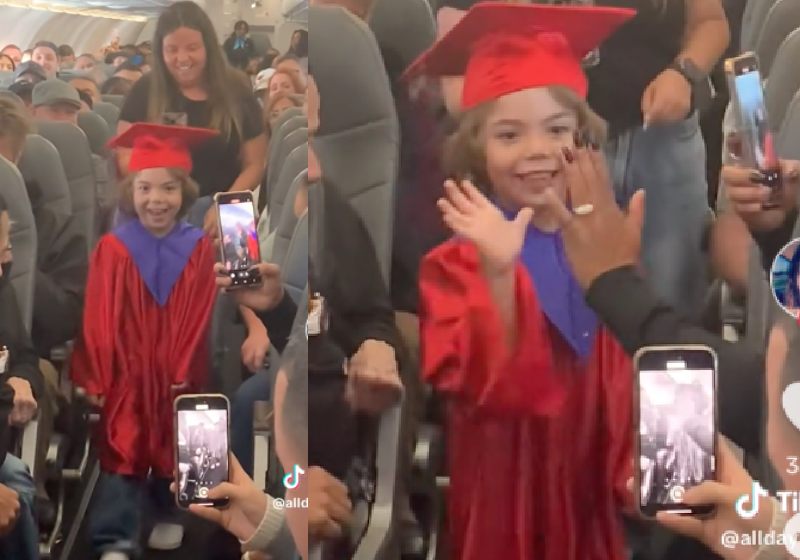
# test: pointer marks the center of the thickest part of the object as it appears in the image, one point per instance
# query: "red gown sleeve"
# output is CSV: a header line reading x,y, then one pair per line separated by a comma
x,y
617,373
92,365
194,305
464,352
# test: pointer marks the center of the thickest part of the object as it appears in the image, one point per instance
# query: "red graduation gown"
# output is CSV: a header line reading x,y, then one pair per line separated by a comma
x,y
539,444
132,351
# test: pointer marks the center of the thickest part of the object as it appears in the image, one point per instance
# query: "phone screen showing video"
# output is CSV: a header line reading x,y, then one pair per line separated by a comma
x,y
754,122
202,453
239,240
676,436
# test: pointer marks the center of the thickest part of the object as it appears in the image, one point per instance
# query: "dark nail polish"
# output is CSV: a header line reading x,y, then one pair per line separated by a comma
x,y
568,155
579,142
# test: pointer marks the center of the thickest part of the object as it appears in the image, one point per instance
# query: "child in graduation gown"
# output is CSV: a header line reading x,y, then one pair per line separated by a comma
x,y
538,393
150,293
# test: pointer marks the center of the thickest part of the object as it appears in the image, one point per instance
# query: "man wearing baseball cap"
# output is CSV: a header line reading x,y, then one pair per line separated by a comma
x,y
29,72
54,100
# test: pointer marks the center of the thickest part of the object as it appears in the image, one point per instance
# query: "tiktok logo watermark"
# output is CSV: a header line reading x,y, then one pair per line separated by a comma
x,y
748,505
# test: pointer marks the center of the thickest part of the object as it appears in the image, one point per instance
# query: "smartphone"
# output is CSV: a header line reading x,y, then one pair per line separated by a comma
x,y
201,448
754,142
675,411
238,238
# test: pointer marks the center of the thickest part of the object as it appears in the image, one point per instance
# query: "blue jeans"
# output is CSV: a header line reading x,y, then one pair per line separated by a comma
x,y
668,161
23,542
117,510
257,388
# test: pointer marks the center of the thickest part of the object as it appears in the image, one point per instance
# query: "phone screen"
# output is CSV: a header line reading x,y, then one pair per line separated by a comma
x,y
239,239
202,448
753,115
677,434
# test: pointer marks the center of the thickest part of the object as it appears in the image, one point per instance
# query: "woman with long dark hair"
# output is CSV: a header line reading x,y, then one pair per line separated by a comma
x,y
239,46
299,44
190,82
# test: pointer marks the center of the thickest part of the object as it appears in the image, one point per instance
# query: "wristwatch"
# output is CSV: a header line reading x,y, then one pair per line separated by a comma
x,y
703,91
689,70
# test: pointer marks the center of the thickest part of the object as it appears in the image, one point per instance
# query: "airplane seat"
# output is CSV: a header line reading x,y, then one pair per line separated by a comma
x,y
23,238
404,29
44,177
285,138
752,22
358,146
281,237
23,277
76,158
97,131
109,113
783,81
782,18
293,169
117,100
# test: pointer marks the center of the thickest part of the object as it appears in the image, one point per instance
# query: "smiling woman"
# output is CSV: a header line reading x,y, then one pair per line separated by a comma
x,y
190,76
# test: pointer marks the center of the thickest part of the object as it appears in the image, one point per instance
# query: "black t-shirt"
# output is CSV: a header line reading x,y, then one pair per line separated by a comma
x,y
216,164
631,58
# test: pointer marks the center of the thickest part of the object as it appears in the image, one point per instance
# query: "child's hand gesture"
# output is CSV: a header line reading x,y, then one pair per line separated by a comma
x,y
471,215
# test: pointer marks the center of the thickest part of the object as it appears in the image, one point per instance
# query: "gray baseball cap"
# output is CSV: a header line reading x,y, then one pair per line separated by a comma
x,y
51,92
32,68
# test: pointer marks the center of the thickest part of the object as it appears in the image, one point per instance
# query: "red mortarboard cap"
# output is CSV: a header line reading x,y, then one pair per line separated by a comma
x,y
156,145
502,48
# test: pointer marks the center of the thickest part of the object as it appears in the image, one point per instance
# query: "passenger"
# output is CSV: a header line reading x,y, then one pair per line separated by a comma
x,y
61,263
129,71
190,76
66,56
299,44
21,382
284,82
45,54
24,91
117,86
279,103
531,376
261,86
7,63
14,52
650,84
150,294
292,66
86,84
239,47
85,63
29,72
56,101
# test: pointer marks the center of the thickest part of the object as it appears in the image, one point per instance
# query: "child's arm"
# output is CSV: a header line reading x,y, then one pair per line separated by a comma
x,y
256,345
464,349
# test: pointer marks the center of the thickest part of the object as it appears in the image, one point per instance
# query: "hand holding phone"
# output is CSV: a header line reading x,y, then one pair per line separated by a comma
x,y
753,144
201,449
675,412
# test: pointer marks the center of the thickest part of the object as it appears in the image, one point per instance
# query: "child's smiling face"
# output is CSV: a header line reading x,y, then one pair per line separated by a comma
x,y
524,135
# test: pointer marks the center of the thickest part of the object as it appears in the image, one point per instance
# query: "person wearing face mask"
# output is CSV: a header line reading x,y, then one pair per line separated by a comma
x,y
20,383
239,46
191,81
